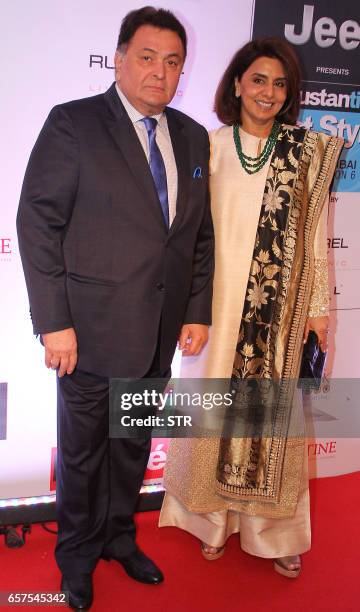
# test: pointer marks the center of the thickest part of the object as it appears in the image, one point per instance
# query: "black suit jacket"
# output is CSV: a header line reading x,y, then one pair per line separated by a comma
x,y
95,249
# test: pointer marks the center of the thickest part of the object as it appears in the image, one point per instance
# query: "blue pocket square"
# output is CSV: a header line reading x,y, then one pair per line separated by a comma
x,y
197,173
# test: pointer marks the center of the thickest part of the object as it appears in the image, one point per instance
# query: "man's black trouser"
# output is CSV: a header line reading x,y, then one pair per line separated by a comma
x,y
97,478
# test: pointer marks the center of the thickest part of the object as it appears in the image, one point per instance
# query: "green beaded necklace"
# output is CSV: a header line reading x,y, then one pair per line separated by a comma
x,y
252,165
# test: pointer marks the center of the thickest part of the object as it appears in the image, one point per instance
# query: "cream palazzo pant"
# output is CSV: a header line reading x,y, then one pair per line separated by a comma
x,y
259,536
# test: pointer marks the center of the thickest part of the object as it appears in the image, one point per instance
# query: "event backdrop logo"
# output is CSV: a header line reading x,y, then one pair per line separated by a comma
x,y
3,410
154,471
101,61
155,468
337,243
346,126
52,486
5,246
326,35
326,448
5,249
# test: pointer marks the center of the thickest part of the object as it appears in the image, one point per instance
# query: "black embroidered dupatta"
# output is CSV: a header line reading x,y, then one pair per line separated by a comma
x,y
256,466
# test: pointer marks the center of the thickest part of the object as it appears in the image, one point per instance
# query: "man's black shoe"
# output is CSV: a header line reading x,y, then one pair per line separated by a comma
x,y
80,591
140,567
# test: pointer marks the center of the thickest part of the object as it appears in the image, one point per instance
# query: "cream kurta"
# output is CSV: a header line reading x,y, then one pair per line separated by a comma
x,y
236,199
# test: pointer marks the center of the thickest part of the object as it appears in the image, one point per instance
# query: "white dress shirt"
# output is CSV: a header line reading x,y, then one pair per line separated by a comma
x,y
164,143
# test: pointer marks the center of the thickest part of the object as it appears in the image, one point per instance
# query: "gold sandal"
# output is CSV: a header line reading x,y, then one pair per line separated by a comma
x,y
212,556
282,566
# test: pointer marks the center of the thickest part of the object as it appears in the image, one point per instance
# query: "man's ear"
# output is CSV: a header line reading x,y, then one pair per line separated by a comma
x,y
118,60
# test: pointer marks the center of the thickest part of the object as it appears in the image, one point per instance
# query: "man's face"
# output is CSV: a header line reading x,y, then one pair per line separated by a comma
x,y
148,71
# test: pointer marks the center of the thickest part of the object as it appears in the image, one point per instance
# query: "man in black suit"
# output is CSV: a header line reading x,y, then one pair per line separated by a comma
x,y
116,240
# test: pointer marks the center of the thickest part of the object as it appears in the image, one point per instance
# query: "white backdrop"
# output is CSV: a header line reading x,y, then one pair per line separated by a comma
x,y
46,60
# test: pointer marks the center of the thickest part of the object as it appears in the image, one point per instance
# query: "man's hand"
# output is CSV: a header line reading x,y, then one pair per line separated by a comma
x,y
61,350
320,325
193,338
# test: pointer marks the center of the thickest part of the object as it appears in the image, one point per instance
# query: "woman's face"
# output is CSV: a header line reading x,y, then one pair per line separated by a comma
x,y
263,91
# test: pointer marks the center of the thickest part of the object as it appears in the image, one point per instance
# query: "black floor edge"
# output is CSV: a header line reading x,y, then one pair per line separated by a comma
x,y
43,513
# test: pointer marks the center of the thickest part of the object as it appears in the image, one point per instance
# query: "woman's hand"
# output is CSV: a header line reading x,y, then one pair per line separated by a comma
x,y
320,325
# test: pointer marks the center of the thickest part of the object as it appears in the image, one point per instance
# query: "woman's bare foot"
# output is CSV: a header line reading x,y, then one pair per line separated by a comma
x,y
212,552
288,566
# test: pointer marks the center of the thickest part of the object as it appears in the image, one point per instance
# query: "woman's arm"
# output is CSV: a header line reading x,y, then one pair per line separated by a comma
x,y
318,317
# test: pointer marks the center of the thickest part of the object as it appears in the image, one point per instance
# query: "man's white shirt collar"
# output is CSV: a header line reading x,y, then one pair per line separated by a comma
x,y
133,113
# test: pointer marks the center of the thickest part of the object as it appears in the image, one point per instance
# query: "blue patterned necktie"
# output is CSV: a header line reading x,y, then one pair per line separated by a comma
x,y
157,167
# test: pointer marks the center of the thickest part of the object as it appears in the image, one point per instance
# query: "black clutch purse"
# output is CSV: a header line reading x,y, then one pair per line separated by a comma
x,y
312,364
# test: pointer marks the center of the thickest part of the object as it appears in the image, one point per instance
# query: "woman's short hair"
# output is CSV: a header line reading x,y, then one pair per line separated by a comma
x,y
227,106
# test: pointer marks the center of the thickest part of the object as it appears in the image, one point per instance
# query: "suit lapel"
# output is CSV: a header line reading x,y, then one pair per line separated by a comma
x,y
181,152
128,142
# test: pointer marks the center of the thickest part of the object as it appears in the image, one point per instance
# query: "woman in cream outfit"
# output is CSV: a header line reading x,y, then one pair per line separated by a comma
x,y
269,205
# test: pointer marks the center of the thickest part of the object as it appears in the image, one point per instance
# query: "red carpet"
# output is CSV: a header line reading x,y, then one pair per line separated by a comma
x,y
330,579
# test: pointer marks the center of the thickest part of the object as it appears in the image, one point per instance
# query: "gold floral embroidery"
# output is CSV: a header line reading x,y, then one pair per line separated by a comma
x,y
263,256
257,296
248,350
255,347
273,201
261,277
267,263
278,164
319,301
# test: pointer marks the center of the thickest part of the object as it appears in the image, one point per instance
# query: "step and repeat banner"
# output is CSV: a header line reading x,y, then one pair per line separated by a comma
x,y
59,51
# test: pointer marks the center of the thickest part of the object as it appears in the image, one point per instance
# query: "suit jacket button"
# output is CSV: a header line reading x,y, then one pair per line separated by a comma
x,y
160,286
